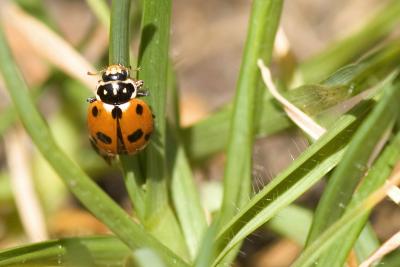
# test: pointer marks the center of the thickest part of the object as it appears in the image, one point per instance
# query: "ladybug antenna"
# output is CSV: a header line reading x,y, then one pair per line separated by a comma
x,y
97,72
93,73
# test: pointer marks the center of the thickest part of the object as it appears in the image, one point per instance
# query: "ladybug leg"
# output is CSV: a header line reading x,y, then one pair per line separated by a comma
x,y
139,83
90,99
142,92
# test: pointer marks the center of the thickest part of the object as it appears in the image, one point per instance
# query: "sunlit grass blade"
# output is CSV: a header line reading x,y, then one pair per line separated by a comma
x,y
337,254
336,230
305,171
347,82
344,180
89,251
342,52
77,181
263,24
294,222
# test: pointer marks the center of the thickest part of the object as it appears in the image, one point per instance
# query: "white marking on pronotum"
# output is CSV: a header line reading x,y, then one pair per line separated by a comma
x,y
306,123
124,106
108,107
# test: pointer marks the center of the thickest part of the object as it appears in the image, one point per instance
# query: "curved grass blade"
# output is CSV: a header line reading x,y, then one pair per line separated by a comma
x,y
337,254
344,180
77,181
336,230
89,251
305,171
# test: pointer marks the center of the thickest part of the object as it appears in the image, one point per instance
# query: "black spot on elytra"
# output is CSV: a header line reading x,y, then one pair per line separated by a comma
x,y
95,111
147,136
135,136
139,109
116,113
104,138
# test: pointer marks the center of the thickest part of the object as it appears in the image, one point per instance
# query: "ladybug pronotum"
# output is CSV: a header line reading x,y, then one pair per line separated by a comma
x,y
119,122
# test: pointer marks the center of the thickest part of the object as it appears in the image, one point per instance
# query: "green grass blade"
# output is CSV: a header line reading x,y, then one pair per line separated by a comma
x,y
348,81
337,254
341,226
184,193
263,24
294,222
134,184
153,59
367,243
346,50
392,260
344,180
119,32
77,181
187,203
88,251
305,171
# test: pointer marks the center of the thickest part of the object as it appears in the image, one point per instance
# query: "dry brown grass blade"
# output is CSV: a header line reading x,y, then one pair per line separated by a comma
x,y
26,198
306,123
390,245
47,43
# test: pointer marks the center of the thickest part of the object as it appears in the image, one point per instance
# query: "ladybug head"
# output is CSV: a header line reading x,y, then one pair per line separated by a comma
x,y
115,73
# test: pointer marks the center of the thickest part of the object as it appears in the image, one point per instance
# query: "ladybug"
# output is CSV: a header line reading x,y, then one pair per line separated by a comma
x,y
119,122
